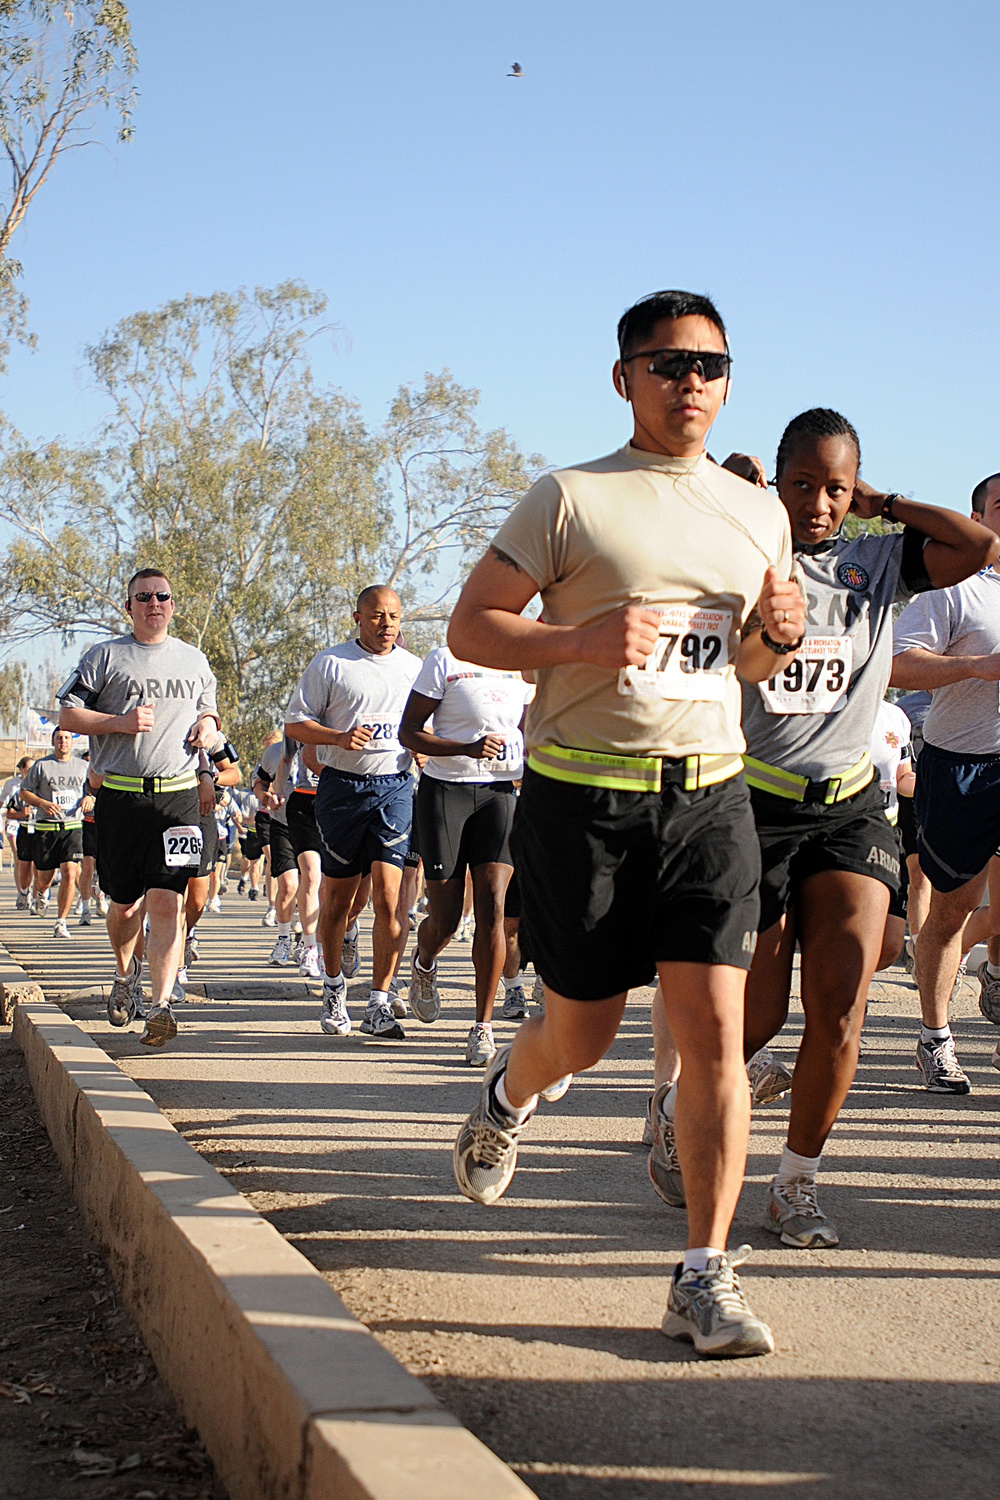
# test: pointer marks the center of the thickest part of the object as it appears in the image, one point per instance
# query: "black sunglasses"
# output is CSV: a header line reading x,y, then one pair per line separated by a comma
x,y
674,364
143,597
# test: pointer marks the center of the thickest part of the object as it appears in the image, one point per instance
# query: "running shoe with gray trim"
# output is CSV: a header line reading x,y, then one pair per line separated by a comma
x,y
769,1078
557,1090
270,918
538,994
380,1022
396,1002
794,1214
480,1046
349,961
425,1002
333,1016
515,1004
485,1153
122,999
160,1027
191,954
939,1066
281,953
989,994
708,1308
311,963
21,904
664,1163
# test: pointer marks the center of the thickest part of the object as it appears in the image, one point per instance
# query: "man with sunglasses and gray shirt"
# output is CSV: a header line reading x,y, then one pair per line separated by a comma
x,y
147,701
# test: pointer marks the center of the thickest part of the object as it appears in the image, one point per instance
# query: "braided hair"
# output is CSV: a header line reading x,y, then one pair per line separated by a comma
x,y
818,422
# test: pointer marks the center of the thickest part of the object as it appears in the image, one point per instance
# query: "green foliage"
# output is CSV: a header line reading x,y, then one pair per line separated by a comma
x,y
268,502
59,64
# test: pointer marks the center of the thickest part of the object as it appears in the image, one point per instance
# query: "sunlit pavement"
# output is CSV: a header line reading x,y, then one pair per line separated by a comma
x,y
537,1321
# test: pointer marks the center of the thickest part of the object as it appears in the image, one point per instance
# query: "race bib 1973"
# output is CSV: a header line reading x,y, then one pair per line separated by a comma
x,y
815,681
689,660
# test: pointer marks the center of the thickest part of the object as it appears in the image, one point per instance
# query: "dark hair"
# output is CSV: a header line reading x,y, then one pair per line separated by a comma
x,y
818,422
59,730
980,494
144,573
24,761
637,323
373,588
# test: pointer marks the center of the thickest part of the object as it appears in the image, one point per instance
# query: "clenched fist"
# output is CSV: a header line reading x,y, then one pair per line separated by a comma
x,y
782,609
623,639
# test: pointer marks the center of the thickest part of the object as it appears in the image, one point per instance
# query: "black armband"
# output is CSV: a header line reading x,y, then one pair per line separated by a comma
x,y
226,751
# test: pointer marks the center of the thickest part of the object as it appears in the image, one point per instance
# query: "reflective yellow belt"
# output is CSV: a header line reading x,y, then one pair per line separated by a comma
x,y
151,784
632,773
67,827
782,783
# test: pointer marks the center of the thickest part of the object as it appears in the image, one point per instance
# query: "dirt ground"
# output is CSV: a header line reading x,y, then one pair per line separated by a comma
x,y
83,1412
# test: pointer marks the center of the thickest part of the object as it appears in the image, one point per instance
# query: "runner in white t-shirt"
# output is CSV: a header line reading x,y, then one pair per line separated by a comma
x,y
891,757
464,811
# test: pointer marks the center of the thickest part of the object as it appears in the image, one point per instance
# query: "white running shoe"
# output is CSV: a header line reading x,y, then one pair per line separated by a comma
x,y
425,1002
177,994
281,953
61,929
182,978
191,954
215,905
311,964
709,1308
379,1021
333,1016
939,1066
769,1078
103,904
270,918
485,1152
515,1004
794,1214
349,961
396,1001
464,933
664,1164
989,994
21,904
86,920
122,999
557,1090
480,1046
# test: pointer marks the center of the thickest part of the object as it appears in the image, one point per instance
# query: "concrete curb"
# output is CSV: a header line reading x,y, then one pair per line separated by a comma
x,y
293,1397
15,985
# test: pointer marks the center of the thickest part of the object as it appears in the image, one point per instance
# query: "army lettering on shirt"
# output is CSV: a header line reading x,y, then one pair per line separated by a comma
x,y
120,674
815,715
61,782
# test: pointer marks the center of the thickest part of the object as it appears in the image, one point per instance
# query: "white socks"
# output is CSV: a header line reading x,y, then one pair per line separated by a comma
x,y
933,1036
511,984
698,1259
793,1166
517,1115
351,933
284,929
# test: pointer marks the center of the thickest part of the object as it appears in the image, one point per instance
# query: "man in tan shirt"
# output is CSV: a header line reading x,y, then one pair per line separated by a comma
x,y
662,577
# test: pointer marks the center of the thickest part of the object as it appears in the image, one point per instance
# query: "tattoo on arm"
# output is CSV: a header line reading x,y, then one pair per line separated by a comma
x,y
503,557
752,622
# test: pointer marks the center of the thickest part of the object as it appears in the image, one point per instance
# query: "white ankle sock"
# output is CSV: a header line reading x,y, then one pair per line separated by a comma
x,y
511,984
792,1165
993,970
668,1104
420,966
929,1034
377,999
698,1259
351,933
308,940
284,929
517,1115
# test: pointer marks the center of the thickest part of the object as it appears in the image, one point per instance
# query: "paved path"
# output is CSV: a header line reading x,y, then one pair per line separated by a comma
x,y
537,1321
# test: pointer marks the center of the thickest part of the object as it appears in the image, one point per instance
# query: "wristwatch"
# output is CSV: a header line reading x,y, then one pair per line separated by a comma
x,y
780,648
887,504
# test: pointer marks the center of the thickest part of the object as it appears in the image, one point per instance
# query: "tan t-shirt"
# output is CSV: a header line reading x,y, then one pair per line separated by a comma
x,y
681,535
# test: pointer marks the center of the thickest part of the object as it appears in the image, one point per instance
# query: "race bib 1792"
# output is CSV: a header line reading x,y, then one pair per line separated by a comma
x,y
689,660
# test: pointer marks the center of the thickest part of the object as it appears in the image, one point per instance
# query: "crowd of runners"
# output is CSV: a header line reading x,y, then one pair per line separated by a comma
x,y
682,773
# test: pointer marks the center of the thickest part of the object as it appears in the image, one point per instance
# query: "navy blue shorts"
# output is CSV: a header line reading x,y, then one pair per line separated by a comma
x,y
957,807
363,820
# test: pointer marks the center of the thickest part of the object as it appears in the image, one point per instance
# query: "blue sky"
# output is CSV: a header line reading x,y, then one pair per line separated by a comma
x,y
828,174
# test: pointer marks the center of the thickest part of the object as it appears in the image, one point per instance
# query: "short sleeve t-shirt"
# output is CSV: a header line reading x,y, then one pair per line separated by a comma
x,y
61,782
117,675
963,620
474,701
267,771
890,747
679,535
345,686
815,716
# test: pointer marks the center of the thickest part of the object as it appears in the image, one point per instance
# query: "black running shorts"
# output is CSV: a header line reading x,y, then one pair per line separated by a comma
x,y
250,845
26,844
210,845
282,853
300,810
89,839
262,824
907,825
613,883
799,839
462,824
131,852
55,847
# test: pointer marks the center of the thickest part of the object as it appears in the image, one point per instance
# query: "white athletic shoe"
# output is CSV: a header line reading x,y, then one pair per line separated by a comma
x,y
61,929
769,1078
270,918
480,1047
349,961
538,994
709,1308
215,905
177,994
794,1214
191,954
425,1002
182,977
397,1003
333,1016
86,920
379,1021
515,1004
311,965
281,953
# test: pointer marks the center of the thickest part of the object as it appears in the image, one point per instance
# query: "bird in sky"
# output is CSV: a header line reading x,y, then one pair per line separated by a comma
x,y
516,71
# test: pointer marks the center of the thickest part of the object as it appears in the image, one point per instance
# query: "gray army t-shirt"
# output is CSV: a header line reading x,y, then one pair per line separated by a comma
x,y
120,674
267,770
61,782
964,717
815,716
